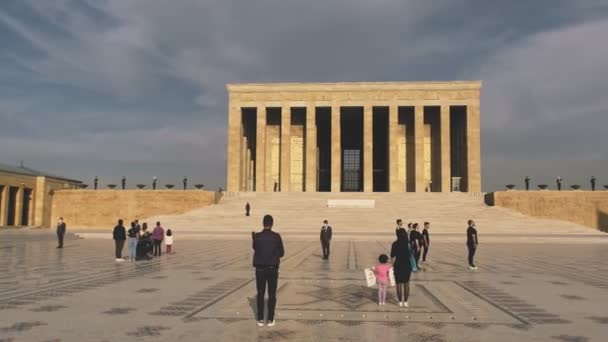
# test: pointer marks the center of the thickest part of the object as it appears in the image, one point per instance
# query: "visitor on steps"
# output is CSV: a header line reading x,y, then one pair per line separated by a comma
x,y
472,243
402,269
415,240
247,209
426,241
382,273
326,234
120,235
267,253
169,241
157,238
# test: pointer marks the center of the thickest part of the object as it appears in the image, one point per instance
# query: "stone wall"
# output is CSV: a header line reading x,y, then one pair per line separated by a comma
x,y
101,208
589,208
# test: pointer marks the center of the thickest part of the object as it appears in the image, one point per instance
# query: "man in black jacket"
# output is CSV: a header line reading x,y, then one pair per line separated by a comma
x,y
120,235
325,239
60,232
268,251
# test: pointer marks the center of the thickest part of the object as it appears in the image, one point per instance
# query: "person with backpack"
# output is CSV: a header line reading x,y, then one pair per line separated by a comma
x,y
133,235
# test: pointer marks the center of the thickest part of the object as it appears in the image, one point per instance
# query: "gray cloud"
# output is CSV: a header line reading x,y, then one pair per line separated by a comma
x,y
139,84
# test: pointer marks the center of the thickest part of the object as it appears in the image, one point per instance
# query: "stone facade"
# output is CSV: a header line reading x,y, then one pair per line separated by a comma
x,y
589,208
102,208
26,195
395,136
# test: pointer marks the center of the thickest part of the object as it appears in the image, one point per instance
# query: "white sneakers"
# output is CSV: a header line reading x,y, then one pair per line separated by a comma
x,y
119,260
270,324
472,267
404,305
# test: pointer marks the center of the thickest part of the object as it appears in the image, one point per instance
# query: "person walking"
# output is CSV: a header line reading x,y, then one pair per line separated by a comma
x,y
157,238
133,235
123,182
426,241
169,241
472,243
402,268
268,251
326,234
527,181
247,209
120,235
61,228
592,180
382,273
416,242
95,183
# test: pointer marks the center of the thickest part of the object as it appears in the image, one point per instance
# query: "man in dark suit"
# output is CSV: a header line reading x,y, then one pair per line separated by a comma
x,y
268,251
325,239
61,228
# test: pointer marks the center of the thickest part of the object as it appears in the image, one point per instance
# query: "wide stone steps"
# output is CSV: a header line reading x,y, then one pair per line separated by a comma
x,y
304,212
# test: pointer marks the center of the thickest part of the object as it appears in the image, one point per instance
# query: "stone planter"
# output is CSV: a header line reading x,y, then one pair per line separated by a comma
x,y
112,186
169,186
199,186
575,186
141,186
543,186
510,186
606,187
84,186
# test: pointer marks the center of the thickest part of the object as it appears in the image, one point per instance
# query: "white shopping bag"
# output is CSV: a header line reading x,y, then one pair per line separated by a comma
x,y
370,277
391,277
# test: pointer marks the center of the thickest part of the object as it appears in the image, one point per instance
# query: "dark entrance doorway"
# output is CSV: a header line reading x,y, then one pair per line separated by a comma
x,y
351,122
12,204
380,148
323,120
25,212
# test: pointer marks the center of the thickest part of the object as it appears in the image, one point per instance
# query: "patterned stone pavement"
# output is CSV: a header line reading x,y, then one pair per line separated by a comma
x,y
521,291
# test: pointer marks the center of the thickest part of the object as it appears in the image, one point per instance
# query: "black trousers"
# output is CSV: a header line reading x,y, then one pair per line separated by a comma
x,y
325,247
472,250
425,251
60,239
157,249
266,276
119,245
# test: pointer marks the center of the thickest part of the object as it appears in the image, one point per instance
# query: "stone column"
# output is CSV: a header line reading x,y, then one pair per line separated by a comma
x,y
311,149
260,150
444,123
473,147
234,147
336,149
4,205
247,169
419,147
243,162
19,206
285,148
368,149
395,185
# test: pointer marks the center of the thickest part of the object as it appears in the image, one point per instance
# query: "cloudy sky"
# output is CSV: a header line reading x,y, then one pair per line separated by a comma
x,y
137,87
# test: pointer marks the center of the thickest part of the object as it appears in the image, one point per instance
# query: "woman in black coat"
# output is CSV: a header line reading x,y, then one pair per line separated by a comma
x,y
400,257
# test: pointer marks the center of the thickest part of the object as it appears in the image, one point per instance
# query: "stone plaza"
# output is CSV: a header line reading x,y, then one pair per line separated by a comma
x,y
528,288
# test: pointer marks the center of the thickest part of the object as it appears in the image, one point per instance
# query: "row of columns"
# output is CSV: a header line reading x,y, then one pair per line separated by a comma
x,y
395,185
4,206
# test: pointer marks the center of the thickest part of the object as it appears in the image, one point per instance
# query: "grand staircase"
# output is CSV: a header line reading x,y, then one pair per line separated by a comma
x,y
304,212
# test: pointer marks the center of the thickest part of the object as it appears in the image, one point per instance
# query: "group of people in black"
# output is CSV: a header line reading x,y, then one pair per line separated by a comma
x,y
405,255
